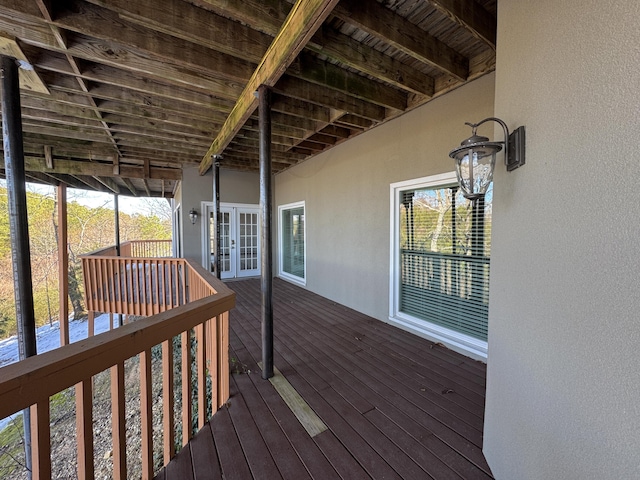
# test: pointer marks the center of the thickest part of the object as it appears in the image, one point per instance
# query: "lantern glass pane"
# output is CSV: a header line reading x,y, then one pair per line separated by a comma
x,y
475,176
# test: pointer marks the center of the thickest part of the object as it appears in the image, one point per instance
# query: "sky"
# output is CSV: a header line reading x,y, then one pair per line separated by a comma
x,y
128,205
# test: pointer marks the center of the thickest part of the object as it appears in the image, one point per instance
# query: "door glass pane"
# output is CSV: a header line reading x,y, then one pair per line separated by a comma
x,y
293,247
212,240
225,241
248,238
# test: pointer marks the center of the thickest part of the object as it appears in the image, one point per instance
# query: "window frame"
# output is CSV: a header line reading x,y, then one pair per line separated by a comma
x,y
457,341
281,273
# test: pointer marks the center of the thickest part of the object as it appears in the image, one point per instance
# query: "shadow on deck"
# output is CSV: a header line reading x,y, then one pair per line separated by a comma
x,y
396,406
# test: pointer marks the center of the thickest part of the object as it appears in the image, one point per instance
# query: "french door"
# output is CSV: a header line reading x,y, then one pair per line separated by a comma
x,y
239,240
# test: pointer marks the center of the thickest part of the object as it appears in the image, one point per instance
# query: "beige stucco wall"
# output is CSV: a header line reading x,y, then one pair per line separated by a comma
x,y
563,389
346,191
235,187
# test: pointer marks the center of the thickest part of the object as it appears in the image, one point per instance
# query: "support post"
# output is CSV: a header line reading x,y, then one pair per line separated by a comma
x,y
216,213
63,264
18,222
116,214
264,97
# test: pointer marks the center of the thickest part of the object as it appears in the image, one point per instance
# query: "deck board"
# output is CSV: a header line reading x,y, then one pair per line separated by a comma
x,y
396,406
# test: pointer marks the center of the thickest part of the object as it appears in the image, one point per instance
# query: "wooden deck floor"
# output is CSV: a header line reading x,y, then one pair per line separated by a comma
x,y
396,406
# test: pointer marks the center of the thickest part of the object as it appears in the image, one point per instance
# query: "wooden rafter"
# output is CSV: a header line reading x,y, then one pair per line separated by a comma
x,y
74,167
155,82
303,20
377,20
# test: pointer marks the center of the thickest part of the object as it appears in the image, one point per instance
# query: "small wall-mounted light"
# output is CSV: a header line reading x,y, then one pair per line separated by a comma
x,y
476,158
193,215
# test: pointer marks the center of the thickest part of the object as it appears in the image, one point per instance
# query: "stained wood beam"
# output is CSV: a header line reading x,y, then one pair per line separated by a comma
x,y
29,79
375,19
305,18
75,167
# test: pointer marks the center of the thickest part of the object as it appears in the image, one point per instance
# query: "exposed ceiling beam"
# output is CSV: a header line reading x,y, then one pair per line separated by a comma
x,y
305,18
75,167
379,21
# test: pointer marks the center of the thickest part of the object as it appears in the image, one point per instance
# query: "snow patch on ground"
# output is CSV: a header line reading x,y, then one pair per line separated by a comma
x,y
48,338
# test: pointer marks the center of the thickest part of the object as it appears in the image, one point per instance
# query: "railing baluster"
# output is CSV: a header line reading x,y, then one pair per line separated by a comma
x,y
146,415
118,426
183,275
168,427
186,387
84,429
212,357
90,323
40,440
201,374
223,358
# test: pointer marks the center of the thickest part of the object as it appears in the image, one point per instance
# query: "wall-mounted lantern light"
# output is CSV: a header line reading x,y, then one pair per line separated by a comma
x,y
193,215
476,158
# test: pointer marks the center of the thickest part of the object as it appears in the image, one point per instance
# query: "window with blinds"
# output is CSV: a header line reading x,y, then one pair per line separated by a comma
x,y
292,242
444,245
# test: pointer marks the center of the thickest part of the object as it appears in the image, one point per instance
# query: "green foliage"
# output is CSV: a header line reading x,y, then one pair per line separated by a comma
x,y
88,229
12,458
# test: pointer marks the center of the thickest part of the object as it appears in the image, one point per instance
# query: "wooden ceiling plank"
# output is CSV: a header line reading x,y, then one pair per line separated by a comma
x,y
313,93
268,15
472,16
346,50
91,182
309,68
61,38
374,18
110,184
129,184
37,177
264,15
107,25
304,19
210,30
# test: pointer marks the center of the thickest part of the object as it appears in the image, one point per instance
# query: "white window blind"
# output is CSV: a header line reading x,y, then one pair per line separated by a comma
x,y
445,243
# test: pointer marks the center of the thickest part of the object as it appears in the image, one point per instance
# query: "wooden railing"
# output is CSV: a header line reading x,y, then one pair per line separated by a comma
x,y
181,296
138,248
